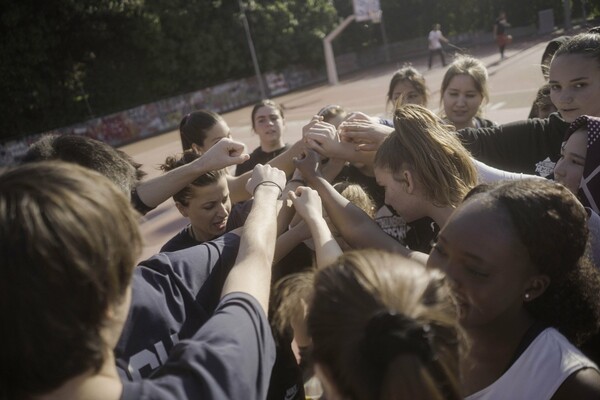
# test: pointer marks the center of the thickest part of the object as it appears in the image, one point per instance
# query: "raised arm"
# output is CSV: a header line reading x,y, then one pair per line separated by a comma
x,y
252,270
517,146
487,174
284,162
324,139
223,154
365,133
308,204
356,227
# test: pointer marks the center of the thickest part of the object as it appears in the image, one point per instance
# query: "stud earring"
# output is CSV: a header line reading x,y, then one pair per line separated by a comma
x,y
527,296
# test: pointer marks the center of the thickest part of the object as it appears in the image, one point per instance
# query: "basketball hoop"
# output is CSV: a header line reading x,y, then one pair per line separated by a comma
x,y
366,10
375,16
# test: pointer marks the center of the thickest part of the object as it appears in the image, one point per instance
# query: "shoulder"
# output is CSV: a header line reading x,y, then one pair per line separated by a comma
x,y
484,123
231,356
182,240
583,384
220,250
257,152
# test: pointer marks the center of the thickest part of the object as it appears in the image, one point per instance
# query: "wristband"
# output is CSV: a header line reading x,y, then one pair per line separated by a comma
x,y
270,183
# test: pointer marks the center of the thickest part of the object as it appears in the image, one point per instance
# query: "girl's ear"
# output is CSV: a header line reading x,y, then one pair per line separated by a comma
x,y
536,287
182,209
409,179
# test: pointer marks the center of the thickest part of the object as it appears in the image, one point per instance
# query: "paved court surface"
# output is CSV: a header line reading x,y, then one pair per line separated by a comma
x,y
513,84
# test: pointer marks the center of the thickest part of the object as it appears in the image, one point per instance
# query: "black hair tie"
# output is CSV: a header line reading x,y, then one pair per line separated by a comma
x,y
389,334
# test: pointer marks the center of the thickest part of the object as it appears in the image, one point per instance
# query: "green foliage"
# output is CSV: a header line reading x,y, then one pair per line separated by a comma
x,y
408,19
63,61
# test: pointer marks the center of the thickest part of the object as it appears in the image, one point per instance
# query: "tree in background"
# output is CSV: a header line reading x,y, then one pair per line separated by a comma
x,y
408,19
64,61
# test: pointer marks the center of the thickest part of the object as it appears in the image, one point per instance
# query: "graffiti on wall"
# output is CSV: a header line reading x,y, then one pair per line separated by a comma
x,y
164,115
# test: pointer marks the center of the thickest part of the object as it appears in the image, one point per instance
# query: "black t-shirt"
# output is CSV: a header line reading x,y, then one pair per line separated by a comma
x,y
183,239
501,26
138,204
531,146
173,295
352,174
258,156
230,357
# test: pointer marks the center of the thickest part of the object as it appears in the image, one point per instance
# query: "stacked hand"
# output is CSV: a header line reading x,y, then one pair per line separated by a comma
x,y
224,153
307,203
322,138
266,175
308,164
364,132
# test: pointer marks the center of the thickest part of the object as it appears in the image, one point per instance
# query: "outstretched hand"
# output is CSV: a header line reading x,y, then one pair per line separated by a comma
x,y
322,137
309,165
365,133
268,175
314,120
224,153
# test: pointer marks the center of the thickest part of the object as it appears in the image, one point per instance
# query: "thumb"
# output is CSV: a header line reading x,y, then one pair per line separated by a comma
x,y
292,196
366,147
240,159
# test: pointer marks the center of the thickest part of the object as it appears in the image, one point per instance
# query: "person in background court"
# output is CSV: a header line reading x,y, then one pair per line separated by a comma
x,y
502,39
435,39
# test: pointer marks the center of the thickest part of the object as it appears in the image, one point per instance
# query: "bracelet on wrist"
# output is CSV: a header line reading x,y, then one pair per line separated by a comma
x,y
269,183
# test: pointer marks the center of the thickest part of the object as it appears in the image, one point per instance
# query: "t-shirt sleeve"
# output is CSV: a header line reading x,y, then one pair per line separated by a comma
x,y
138,204
173,294
230,357
518,146
189,268
386,122
487,174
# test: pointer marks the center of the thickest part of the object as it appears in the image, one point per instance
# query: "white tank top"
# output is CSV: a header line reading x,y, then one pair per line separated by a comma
x,y
539,371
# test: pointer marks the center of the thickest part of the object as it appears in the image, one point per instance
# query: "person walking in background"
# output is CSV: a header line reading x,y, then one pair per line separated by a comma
x,y
435,44
502,39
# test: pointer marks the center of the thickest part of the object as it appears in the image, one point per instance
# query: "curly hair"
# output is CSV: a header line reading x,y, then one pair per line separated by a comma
x,y
422,142
185,194
357,195
286,299
369,296
552,225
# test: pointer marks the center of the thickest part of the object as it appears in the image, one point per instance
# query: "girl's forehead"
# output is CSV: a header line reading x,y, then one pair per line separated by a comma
x,y
266,110
462,80
573,66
